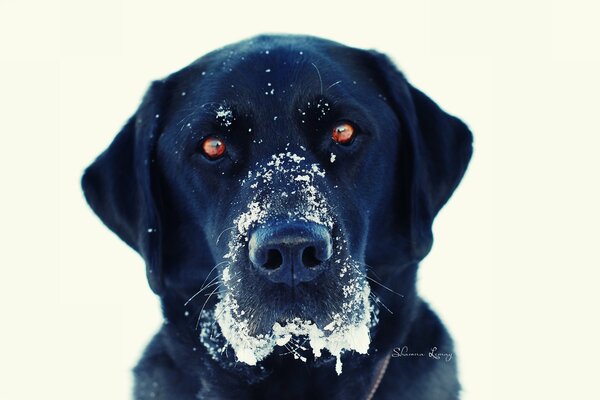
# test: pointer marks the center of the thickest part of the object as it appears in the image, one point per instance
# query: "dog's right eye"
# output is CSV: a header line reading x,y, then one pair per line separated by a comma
x,y
343,133
212,147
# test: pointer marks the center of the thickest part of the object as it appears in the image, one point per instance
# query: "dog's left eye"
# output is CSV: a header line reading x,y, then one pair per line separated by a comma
x,y
343,133
213,147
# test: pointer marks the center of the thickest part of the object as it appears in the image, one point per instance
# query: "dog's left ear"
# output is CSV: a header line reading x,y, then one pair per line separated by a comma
x,y
435,148
120,186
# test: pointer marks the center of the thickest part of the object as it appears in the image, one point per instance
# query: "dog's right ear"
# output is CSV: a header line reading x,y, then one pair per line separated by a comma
x,y
435,149
120,185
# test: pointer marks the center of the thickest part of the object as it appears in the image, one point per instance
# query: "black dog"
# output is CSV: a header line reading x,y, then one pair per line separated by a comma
x,y
281,191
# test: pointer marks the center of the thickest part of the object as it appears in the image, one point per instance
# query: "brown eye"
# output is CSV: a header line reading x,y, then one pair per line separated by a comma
x,y
343,133
213,147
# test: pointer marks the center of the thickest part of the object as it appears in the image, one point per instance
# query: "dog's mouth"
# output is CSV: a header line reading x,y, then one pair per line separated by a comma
x,y
302,331
256,317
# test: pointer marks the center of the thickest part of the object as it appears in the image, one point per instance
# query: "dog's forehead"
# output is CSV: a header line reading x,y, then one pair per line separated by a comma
x,y
269,78
250,61
267,74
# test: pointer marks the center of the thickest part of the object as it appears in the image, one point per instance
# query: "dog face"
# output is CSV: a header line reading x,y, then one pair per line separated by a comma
x,y
261,183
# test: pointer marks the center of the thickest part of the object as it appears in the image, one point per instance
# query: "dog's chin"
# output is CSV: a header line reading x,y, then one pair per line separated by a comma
x,y
307,334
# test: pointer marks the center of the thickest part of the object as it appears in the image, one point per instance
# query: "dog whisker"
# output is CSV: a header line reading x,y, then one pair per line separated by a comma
x,y
220,292
184,119
224,230
377,300
204,305
297,344
371,269
202,287
211,283
320,80
294,352
287,352
209,103
383,286
217,317
194,111
332,85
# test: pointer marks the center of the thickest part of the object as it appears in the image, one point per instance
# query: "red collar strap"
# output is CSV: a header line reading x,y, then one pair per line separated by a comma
x,y
381,368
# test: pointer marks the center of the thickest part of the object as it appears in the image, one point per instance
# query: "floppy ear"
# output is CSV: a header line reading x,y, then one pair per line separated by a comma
x,y
435,146
443,147
119,185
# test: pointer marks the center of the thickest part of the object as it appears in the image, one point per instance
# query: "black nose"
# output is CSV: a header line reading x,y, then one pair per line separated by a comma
x,y
291,252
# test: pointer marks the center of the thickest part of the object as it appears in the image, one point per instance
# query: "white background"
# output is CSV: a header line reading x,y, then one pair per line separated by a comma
x,y
514,271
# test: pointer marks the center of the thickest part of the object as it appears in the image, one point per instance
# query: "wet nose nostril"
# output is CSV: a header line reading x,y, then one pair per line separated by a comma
x,y
290,252
309,257
274,259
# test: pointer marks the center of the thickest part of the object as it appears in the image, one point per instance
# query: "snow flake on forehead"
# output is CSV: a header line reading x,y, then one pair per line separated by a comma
x,y
323,107
224,115
316,109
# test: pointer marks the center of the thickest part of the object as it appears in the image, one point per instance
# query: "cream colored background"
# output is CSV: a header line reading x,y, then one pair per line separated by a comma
x,y
514,272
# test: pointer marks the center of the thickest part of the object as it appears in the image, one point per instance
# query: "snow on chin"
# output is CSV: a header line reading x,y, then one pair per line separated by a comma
x,y
339,336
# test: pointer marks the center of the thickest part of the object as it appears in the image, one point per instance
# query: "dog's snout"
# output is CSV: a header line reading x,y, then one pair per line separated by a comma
x,y
290,252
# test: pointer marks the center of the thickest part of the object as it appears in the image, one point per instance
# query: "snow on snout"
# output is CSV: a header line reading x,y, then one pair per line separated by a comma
x,y
290,171
288,184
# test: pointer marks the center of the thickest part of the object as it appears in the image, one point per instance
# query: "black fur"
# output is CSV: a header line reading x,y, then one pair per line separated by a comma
x,y
155,190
